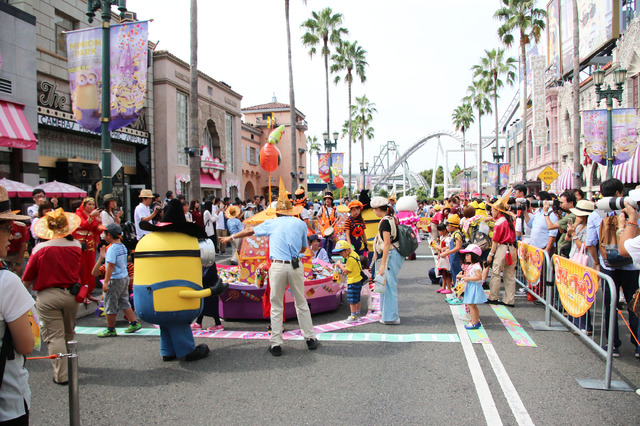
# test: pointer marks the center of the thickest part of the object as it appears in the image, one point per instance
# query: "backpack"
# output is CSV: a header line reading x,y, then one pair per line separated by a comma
x,y
129,237
609,244
479,235
407,238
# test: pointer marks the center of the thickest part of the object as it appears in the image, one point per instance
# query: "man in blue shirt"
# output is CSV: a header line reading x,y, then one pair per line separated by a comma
x,y
116,282
625,277
541,237
287,243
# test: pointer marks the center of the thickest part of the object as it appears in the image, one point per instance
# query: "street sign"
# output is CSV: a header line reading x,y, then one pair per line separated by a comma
x,y
548,175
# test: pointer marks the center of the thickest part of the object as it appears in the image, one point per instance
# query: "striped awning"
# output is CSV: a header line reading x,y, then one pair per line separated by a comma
x,y
565,180
14,128
627,172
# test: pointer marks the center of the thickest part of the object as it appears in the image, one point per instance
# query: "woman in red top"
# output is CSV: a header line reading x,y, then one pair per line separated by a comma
x,y
196,216
503,253
88,235
53,269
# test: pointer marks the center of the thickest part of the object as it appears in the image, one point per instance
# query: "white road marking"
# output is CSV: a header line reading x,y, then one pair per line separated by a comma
x,y
517,407
487,403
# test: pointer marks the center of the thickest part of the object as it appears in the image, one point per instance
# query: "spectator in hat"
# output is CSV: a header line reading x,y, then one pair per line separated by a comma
x,y
355,228
88,235
503,255
116,282
52,270
287,243
110,213
317,252
250,211
15,305
142,212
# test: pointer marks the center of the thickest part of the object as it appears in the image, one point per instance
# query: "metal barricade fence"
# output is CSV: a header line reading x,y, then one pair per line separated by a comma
x,y
595,328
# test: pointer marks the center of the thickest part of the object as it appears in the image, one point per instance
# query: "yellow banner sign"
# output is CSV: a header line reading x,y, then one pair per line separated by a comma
x,y
531,259
576,284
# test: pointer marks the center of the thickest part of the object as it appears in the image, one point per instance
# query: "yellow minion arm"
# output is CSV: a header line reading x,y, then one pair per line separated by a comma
x,y
195,294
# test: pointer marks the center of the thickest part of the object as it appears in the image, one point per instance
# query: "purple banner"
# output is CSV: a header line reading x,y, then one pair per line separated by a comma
x,y
624,134
128,56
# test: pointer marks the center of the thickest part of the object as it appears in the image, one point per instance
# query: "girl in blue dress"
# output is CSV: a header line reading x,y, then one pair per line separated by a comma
x,y
473,293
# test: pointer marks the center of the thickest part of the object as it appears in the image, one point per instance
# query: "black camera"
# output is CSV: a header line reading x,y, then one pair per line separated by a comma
x,y
555,205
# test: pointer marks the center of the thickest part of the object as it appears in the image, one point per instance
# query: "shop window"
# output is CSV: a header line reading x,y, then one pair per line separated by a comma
x,y
182,128
62,23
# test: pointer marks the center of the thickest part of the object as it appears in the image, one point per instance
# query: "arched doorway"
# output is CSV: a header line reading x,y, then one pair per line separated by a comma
x,y
249,191
211,138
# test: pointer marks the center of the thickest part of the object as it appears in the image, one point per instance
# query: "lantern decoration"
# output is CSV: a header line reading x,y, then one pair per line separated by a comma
x,y
338,181
269,157
276,135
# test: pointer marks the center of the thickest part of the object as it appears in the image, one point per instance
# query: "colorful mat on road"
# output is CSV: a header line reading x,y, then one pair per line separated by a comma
x,y
391,338
513,327
477,336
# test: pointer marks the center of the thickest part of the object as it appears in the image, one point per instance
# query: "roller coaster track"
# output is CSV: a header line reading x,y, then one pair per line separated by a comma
x,y
402,159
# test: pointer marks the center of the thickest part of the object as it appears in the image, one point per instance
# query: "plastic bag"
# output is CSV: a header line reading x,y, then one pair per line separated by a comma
x,y
380,282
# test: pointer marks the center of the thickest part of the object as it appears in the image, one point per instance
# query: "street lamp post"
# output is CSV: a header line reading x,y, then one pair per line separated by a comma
x,y
105,6
619,77
497,158
328,146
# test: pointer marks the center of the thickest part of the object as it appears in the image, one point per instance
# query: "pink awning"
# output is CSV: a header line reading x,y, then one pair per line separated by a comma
x,y
565,180
14,128
627,172
16,189
207,181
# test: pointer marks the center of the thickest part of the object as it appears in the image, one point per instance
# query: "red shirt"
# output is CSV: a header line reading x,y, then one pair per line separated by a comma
x,y
54,263
20,233
503,233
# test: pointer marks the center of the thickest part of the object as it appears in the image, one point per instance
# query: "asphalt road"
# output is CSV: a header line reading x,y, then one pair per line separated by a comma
x,y
123,380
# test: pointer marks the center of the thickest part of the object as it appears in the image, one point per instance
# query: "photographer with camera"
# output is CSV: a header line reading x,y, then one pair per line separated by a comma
x,y
523,232
566,203
541,236
143,212
624,274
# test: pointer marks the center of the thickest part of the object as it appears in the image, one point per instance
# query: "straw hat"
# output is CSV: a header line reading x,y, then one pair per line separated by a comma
x,y
5,207
503,202
453,220
56,224
284,206
109,197
146,193
232,211
583,208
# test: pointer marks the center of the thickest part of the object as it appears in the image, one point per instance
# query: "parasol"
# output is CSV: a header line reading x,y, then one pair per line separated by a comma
x,y
16,189
61,189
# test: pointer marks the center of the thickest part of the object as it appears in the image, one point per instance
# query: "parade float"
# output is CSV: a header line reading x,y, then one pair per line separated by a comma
x,y
245,297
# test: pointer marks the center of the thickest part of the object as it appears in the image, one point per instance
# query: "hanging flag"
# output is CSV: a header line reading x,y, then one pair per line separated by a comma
x,y
323,167
128,56
624,134
493,169
337,162
504,174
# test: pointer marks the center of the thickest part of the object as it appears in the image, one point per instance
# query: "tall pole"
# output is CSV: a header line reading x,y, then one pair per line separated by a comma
x,y
106,96
609,137
194,143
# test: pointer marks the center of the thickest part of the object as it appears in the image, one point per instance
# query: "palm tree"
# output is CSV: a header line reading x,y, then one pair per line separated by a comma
x,y
323,28
313,146
523,17
364,110
478,97
577,166
351,58
462,119
494,66
194,143
292,106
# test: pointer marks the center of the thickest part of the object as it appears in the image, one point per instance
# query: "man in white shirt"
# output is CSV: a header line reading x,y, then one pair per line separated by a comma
x,y
39,197
143,213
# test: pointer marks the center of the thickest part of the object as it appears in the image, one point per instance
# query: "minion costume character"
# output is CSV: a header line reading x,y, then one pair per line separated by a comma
x,y
168,289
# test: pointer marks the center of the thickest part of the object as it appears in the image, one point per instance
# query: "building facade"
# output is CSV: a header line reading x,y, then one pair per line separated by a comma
x,y
18,109
219,123
267,117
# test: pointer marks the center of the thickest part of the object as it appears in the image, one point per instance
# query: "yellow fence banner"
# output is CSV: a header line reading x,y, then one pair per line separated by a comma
x,y
576,284
531,259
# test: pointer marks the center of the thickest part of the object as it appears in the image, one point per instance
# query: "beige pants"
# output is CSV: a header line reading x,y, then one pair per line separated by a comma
x,y
57,309
281,274
508,274
221,233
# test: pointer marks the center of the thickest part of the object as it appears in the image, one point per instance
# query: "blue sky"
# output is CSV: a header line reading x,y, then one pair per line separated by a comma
x,y
420,54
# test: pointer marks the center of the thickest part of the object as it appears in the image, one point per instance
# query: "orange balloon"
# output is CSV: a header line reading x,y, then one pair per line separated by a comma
x,y
338,181
269,157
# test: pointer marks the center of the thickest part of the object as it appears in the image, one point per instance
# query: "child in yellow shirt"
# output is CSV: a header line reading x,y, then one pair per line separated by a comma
x,y
355,277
